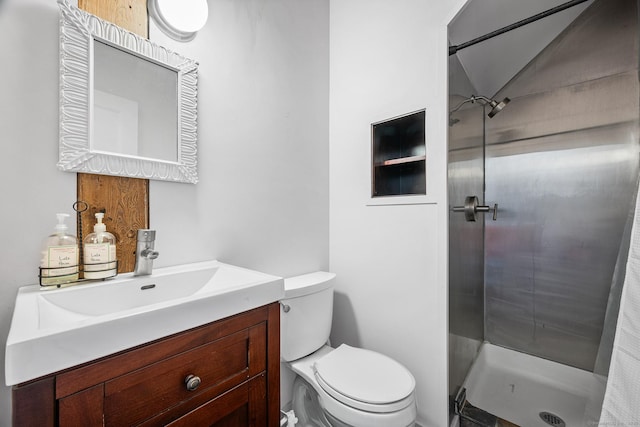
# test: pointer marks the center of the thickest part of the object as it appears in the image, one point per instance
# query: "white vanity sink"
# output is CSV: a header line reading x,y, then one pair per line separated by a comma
x,y
57,329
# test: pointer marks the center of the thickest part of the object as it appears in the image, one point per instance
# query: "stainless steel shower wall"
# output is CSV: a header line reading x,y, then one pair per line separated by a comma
x,y
562,163
466,259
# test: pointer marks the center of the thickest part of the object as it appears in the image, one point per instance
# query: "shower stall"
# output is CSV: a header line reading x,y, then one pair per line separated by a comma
x,y
535,280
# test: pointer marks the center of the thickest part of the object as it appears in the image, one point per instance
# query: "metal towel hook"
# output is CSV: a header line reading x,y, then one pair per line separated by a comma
x,y
472,207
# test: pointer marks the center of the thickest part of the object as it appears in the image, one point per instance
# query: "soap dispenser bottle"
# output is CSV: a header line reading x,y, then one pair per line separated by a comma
x,y
59,263
100,252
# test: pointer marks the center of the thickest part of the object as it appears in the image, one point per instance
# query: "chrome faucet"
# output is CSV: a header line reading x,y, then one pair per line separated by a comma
x,y
144,252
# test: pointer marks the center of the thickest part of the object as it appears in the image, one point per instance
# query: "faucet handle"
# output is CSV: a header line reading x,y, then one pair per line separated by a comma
x,y
149,254
146,235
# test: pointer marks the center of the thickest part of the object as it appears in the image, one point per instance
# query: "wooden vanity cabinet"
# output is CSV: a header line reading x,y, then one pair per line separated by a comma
x,y
225,373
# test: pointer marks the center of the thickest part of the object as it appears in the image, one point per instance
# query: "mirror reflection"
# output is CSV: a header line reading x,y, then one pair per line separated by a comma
x,y
135,105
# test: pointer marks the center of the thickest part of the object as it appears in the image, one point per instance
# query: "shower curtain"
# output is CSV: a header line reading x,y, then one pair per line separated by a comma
x,y
621,405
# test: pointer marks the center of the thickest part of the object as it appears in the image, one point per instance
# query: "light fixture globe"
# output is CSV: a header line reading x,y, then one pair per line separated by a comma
x,y
179,19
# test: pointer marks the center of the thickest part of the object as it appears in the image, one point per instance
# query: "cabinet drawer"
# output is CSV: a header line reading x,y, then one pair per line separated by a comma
x,y
220,365
234,408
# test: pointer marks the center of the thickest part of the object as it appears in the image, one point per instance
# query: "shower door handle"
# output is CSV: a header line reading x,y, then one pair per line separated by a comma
x,y
472,207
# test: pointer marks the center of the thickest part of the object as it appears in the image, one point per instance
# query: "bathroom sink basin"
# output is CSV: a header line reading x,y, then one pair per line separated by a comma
x,y
57,308
56,329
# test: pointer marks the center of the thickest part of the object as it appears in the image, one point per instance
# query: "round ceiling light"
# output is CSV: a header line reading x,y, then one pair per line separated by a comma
x,y
179,19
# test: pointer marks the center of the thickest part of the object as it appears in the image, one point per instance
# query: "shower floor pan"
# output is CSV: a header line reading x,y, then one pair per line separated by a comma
x,y
533,392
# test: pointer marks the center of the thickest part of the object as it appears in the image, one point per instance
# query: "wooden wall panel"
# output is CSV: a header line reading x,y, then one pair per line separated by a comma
x,y
128,14
125,201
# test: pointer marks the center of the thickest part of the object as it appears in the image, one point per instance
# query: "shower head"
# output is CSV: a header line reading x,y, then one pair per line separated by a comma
x,y
496,106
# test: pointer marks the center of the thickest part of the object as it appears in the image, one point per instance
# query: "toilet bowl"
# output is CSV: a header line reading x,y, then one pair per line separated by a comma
x,y
343,386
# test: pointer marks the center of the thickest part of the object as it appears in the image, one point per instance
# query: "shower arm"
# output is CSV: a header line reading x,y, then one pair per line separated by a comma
x,y
496,106
473,99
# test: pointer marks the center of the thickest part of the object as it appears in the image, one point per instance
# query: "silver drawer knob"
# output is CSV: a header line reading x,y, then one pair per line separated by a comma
x,y
192,382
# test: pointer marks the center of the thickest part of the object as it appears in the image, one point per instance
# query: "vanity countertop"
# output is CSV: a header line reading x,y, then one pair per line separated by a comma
x,y
57,329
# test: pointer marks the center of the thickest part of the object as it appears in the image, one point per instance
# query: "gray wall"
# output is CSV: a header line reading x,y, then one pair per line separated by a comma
x,y
562,162
262,200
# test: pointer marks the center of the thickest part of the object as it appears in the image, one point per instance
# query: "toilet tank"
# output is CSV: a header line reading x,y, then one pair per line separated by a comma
x,y
305,314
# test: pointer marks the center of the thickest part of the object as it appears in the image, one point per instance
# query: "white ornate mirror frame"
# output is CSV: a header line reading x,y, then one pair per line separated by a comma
x,y
78,30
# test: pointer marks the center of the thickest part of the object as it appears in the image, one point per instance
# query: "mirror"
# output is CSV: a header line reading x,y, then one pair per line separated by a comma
x,y
128,107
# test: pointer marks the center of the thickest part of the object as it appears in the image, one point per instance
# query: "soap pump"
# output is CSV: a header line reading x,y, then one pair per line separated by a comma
x,y
100,252
59,262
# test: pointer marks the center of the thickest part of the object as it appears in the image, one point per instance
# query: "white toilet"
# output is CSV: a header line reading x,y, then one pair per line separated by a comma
x,y
346,386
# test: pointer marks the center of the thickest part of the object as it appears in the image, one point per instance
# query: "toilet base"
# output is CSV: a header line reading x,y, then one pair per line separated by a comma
x,y
307,407
309,411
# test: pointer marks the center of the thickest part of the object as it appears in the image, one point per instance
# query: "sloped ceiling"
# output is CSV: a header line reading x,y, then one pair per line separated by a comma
x,y
492,63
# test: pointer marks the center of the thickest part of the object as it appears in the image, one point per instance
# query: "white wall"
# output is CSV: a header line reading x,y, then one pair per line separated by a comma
x,y
389,58
262,200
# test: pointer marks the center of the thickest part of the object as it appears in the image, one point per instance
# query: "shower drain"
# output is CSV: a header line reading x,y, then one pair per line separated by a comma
x,y
552,419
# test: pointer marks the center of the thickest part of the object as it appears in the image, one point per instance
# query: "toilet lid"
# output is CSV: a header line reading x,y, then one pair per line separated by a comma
x,y
364,376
